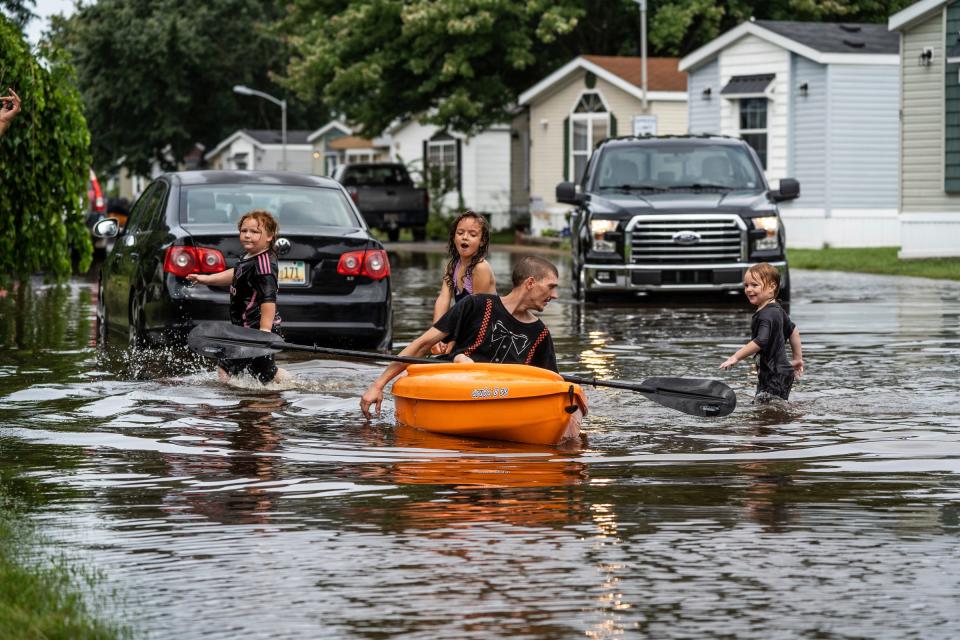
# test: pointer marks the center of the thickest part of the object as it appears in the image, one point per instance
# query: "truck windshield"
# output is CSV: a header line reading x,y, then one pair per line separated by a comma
x,y
290,205
699,166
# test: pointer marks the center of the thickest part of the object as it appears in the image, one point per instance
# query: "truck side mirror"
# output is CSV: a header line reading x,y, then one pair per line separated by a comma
x,y
789,190
567,193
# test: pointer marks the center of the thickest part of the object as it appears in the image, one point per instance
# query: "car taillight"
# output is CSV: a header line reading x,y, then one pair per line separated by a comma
x,y
182,261
372,264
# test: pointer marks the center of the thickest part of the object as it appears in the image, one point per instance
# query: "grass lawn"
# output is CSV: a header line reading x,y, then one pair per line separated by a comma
x,y
40,598
882,260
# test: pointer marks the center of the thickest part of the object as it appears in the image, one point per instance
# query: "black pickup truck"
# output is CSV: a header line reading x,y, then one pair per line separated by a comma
x,y
385,195
674,213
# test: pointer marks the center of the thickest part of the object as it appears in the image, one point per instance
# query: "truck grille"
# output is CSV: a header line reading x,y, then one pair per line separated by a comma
x,y
722,239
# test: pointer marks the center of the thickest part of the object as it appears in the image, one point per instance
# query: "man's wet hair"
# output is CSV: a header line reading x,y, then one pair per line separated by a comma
x,y
767,274
532,267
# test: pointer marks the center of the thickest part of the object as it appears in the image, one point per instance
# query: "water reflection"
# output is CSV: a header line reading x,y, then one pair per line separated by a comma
x,y
230,510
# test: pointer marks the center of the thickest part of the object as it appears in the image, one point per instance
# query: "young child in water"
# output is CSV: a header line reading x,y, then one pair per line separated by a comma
x,y
770,330
467,271
253,292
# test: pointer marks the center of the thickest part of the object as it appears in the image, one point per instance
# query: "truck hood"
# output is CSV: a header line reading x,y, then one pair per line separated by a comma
x,y
680,202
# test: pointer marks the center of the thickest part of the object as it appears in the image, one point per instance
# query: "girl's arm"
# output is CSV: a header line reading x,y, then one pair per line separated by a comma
x,y
745,351
267,312
797,349
483,280
216,279
442,305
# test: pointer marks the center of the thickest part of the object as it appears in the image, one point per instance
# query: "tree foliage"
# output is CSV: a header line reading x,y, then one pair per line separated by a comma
x,y
157,76
461,63
19,11
44,162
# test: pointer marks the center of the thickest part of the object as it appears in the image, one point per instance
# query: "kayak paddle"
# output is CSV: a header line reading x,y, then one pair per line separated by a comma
x,y
694,396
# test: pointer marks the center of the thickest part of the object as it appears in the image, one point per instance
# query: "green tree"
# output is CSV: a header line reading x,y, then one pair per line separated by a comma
x,y
44,162
19,11
157,76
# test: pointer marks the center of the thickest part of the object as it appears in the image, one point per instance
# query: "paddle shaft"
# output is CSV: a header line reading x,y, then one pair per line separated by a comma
x,y
348,353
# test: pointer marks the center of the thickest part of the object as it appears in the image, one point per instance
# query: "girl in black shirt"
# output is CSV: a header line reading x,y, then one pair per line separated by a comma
x,y
770,330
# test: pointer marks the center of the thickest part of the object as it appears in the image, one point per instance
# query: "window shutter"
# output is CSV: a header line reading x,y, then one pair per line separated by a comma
x,y
566,149
613,126
425,163
459,166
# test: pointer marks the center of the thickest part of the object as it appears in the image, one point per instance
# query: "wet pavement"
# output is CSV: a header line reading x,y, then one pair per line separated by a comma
x,y
225,511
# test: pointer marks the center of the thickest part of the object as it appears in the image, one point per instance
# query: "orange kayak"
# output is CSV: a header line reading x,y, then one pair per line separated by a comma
x,y
513,402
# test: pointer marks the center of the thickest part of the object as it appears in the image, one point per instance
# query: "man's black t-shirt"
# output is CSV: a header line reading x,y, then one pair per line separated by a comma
x,y
770,329
254,282
484,330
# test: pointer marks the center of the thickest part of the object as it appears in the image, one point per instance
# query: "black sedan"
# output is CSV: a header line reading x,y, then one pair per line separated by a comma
x,y
334,276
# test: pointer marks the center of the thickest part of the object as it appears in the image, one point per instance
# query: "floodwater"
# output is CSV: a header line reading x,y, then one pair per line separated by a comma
x,y
226,511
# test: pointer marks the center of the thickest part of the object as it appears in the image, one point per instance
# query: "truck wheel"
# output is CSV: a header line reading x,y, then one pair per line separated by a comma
x,y
103,333
419,233
393,234
784,293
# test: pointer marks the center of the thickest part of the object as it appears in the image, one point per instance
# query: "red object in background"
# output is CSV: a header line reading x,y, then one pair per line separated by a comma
x,y
95,194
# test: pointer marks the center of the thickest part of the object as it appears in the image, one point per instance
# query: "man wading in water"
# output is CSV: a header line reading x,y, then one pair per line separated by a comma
x,y
489,328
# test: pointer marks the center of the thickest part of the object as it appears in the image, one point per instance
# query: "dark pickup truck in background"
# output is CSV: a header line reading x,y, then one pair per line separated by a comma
x,y
386,197
674,213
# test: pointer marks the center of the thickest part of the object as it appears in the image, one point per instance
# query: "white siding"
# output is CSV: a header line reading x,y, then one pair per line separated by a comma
x,y
923,108
808,132
704,111
750,56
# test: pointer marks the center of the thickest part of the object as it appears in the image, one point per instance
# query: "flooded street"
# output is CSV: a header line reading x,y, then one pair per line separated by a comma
x,y
227,511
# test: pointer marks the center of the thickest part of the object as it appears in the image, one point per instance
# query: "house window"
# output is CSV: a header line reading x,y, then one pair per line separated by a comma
x,y
753,126
239,161
442,156
589,124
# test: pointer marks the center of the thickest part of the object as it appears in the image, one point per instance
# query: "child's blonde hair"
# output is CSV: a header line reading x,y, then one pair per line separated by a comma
x,y
267,222
767,274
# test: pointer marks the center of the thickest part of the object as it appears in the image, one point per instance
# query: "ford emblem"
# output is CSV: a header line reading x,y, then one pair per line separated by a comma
x,y
282,245
686,237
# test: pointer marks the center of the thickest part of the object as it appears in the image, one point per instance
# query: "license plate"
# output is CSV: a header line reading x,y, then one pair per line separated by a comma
x,y
391,217
292,272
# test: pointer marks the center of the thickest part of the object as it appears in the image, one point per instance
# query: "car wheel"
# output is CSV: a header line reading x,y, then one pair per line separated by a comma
x,y
103,331
136,336
784,293
385,345
419,234
393,234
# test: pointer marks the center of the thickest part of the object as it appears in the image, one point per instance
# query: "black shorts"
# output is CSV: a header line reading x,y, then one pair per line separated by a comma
x,y
263,368
778,385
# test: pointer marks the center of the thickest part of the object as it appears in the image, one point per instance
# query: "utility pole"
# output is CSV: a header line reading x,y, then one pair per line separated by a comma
x,y
643,49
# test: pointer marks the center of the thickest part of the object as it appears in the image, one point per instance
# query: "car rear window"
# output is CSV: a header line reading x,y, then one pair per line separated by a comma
x,y
290,205
668,166
384,175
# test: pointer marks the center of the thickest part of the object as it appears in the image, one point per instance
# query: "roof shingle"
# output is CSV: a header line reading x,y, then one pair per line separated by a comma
x,y
662,73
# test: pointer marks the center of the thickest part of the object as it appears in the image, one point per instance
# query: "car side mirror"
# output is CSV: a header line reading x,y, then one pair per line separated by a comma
x,y
106,228
567,193
789,190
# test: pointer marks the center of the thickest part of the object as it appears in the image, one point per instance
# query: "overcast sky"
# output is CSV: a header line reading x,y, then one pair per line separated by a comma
x,y
45,9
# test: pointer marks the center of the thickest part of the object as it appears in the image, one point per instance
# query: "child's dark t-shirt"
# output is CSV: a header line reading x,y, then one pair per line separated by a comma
x,y
254,283
770,329
484,330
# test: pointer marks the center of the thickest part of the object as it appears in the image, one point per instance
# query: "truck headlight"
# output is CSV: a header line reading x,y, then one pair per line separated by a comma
x,y
770,224
597,229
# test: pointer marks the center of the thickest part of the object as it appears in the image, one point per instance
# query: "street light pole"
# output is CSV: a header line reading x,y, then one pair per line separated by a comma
x,y
247,91
643,49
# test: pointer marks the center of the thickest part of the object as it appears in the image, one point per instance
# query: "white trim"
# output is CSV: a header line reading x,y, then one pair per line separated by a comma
x,y
713,48
917,11
582,63
952,217
920,254
330,125
290,147
953,60
230,140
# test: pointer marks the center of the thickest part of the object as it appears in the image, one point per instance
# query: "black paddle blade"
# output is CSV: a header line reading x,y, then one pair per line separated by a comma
x,y
225,341
695,396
